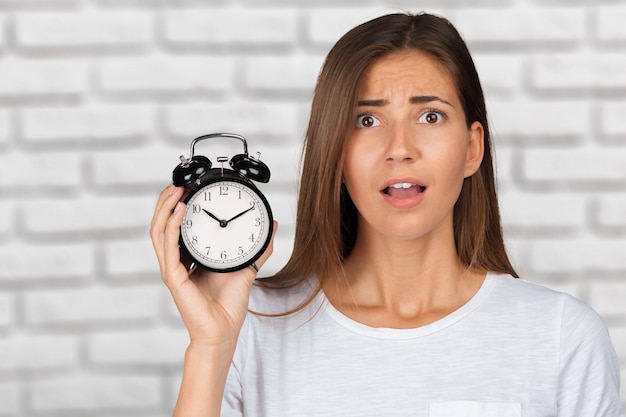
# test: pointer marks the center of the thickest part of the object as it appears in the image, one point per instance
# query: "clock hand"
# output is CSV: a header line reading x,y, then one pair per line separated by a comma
x,y
240,214
223,223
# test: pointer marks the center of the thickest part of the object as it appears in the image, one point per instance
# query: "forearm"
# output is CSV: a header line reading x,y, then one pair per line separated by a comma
x,y
204,378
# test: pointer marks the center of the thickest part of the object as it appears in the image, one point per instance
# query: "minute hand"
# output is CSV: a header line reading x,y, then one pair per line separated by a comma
x,y
240,214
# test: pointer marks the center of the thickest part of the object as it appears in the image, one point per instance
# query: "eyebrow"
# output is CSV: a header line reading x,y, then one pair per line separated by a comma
x,y
412,100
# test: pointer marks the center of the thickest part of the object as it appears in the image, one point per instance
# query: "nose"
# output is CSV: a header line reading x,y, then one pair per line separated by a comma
x,y
401,145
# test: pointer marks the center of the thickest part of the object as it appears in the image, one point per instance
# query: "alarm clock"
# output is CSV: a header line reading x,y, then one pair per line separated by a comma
x,y
228,222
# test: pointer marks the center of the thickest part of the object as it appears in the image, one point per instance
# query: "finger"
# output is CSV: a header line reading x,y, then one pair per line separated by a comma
x,y
163,195
166,203
171,250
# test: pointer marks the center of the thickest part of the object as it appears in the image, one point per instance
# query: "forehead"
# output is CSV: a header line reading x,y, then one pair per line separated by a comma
x,y
411,70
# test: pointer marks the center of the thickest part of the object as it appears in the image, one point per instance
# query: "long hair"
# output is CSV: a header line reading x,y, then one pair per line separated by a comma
x,y
326,226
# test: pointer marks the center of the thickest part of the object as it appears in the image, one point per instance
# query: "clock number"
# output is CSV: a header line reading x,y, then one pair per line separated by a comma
x,y
257,222
223,190
239,194
207,249
240,251
188,223
223,255
196,208
252,204
251,237
194,240
207,196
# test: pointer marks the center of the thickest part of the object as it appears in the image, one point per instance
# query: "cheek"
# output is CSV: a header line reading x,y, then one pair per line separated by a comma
x,y
351,164
357,164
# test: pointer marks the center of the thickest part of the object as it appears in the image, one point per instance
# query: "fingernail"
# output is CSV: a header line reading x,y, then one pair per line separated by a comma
x,y
172,189
177,208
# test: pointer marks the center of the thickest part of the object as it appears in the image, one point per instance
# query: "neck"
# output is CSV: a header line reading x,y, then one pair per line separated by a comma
x,y
403,283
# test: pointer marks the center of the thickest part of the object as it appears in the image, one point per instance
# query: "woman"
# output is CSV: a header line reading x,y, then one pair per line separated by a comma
x,y
399,298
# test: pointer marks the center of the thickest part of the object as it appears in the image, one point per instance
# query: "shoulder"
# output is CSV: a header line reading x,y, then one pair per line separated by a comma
x,y
279,300
523,289
575,320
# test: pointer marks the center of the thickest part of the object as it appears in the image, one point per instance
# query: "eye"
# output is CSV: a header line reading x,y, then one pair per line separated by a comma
x,y
432,117
367,120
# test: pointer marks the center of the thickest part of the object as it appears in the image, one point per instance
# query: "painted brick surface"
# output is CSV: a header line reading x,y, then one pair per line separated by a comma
x,y
98,98
77,29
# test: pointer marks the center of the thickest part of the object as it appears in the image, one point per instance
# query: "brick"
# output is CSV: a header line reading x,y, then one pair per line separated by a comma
x,y
151,4
277,120
618,337
95,393
160,347
579,72
162,75
55,262
33,78
283,162
7,308
10,394
521,26
34,353
611,117
283,208
576,255
278,75
30,4
575,167
2,32
609,23
499,74
574,289
623,386
325,3
283,246
136,167
98,214
5,127
87,123
607,298
39,171
549,213
6,218
260,28
172,315
131,258
326,26
502,164
68,30
539,122
611,212
92,306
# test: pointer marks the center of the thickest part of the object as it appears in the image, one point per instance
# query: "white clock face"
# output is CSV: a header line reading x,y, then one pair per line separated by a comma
x,y
226,225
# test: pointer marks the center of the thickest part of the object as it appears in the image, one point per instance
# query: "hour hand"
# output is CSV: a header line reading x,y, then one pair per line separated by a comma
x,y
222,223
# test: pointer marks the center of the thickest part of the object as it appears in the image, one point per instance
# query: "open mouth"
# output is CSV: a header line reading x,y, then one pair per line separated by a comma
x,y
404,190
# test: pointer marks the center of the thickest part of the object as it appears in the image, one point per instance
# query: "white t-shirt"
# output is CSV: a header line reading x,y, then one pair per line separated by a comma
x,y
515,349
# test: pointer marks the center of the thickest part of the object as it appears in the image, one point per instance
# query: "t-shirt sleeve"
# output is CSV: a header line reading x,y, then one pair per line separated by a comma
x,y
589,380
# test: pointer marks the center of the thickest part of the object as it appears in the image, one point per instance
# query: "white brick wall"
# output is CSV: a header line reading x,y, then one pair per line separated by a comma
x,y
98,98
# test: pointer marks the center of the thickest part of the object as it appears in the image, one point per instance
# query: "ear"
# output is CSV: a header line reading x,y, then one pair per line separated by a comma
x,y
475,149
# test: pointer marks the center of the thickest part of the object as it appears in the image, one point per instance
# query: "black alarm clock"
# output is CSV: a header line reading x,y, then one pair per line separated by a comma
x,y
228,223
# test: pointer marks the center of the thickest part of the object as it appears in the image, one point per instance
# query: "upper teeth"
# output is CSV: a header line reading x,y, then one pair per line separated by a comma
x,y
402,185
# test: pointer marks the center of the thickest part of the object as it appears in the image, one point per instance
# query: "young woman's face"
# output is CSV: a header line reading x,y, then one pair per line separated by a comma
x,y
410,148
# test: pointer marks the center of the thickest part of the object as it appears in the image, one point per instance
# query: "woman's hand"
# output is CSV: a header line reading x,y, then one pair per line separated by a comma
x,y
213,306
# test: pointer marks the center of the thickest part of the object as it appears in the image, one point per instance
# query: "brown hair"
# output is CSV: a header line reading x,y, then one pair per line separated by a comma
x,y
326,224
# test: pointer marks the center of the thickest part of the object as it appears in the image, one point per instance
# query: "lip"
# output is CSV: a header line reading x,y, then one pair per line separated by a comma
x,y
403,202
